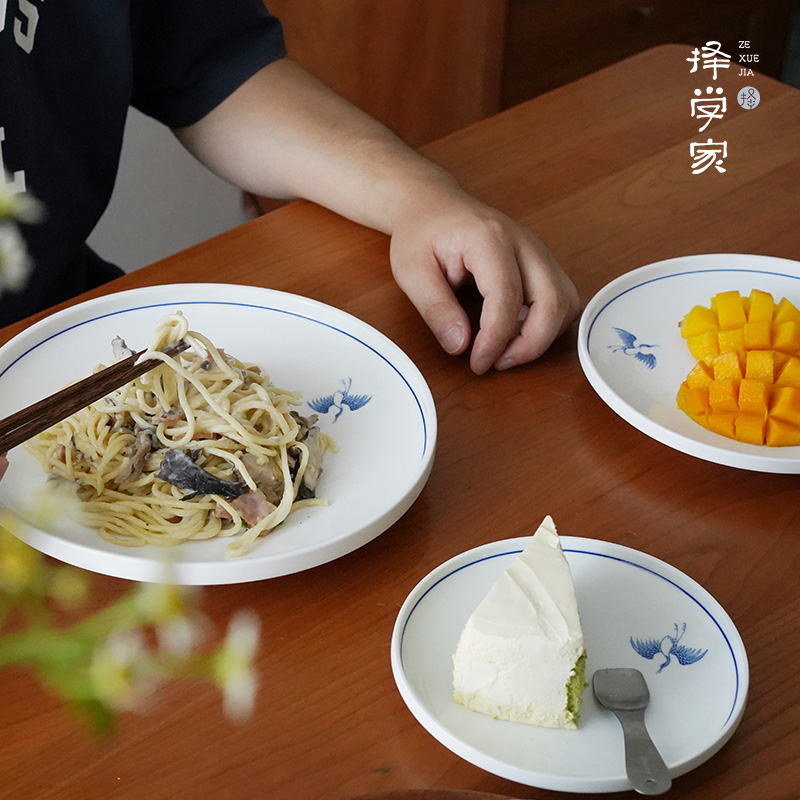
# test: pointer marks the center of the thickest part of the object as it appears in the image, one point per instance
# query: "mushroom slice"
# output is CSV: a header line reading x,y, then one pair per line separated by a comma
x,y
180,470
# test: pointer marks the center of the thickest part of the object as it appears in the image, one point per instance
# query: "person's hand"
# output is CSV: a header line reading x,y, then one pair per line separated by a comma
x,y
528,300
284,134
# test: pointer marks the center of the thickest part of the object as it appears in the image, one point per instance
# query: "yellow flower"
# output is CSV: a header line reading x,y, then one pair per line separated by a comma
x,y
19,563
68,586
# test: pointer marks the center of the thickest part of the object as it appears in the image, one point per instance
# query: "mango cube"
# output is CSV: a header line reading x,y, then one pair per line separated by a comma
x,y
704,346
727,365
757,335
730,310
723,395
731,341
789,374
701,374
750,429
785,404
781,433
785,311
753,397
699,320
762,307
693,400
722,424
786,337
760,366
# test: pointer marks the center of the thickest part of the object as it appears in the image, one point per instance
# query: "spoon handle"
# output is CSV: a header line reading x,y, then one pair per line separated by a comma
x,y
643,763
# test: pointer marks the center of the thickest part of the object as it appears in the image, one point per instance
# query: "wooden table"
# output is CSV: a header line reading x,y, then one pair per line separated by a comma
x,y
601,169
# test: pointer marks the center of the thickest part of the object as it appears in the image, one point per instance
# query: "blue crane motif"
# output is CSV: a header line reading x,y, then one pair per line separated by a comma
x,y
630,348
668,646
339,399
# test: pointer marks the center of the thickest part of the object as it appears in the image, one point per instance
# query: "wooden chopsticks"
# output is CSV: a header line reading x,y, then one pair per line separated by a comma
x,y
43,414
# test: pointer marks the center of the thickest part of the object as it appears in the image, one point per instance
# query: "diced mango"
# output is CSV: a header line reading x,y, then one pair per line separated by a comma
x,y
789,374
699,320
750,429
785,311
730,310
781,433
757,335
786,337
722,424
760,366
701,374
727,365
762,307
746,382
753,397
723,395
742,323
693,400
785,404
704,346
731,341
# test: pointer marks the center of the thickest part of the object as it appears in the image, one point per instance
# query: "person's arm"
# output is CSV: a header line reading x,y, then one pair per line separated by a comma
x,y
283,134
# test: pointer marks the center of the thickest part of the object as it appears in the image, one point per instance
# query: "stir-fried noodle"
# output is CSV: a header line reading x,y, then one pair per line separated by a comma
x,y
200,446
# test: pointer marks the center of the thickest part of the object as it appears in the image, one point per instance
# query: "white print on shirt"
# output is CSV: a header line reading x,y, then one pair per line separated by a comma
x,y
13,184
24,26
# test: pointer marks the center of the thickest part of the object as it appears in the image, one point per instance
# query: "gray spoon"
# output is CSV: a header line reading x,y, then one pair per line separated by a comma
x,y
624,691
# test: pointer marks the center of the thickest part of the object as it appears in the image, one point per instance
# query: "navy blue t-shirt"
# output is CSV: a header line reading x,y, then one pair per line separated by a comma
x,y
69,70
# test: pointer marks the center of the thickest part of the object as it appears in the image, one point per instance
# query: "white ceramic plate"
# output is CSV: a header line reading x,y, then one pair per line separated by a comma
x,y
648,303
386,447
623,595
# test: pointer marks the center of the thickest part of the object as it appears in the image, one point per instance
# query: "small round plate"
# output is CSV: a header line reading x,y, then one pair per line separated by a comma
x,y
635,609
386,446
632,353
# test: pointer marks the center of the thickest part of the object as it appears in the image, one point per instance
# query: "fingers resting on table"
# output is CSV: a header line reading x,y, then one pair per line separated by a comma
x,y
528,300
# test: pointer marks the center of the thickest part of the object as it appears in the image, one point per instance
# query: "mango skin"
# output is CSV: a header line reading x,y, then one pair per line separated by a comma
x,y
746,382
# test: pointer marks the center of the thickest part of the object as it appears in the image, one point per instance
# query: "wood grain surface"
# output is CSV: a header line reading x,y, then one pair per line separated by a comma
x,y
601,169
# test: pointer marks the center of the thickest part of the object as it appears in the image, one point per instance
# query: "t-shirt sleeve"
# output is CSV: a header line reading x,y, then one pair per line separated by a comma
x,y
189,55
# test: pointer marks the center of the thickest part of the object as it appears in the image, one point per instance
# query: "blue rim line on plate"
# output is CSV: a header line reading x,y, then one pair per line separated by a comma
x,y
678,275
601,555
244,305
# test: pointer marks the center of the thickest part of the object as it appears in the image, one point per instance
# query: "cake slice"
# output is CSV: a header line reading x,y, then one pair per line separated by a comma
x,y
521,654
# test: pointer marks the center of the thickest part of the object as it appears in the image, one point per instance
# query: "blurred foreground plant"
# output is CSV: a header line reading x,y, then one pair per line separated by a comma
x,y
15,206
114,659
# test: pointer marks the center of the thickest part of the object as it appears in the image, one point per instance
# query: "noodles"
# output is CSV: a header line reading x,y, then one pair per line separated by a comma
x,y
198,447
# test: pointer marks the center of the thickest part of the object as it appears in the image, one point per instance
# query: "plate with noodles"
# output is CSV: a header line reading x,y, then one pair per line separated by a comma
x,y
286,435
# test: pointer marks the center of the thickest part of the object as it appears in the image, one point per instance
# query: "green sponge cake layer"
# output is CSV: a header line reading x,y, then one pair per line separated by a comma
x,y
577,683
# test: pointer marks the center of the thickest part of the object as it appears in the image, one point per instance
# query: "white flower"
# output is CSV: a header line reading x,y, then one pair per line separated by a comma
x,y
15,263
122,670
171,610
233,665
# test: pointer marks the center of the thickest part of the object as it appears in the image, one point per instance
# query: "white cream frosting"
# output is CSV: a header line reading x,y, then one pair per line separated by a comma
x,y
519,648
